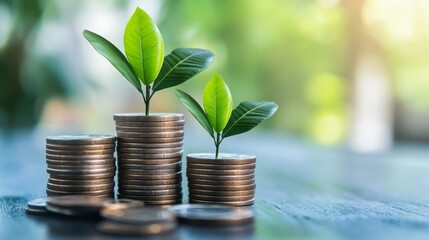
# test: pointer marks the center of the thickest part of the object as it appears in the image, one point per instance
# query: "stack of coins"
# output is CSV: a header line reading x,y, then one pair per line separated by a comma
x,y
133,221
80,165
150,157
229,179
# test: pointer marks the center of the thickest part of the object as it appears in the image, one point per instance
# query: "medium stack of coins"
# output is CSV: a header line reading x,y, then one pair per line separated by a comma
x,y
150,157
229,179
81,165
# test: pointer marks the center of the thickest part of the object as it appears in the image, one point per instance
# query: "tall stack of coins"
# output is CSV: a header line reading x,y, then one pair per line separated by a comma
x,y
229,179
150,157
80,165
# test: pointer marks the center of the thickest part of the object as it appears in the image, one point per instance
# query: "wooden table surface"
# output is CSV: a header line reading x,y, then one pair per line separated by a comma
x,y
304,191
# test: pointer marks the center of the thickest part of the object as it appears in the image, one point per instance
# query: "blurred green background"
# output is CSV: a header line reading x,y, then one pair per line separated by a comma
x,y
343,72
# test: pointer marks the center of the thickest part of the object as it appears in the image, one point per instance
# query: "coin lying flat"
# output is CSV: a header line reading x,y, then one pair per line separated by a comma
x,y
153,117
150,150
150,145
86,147
221,177
210,214
150,124
222,188
141,215
149,129
230,203
80,139
220,172
37,207
175,165
151,140
121,203
221,193
132,229
221,167
223,159
221,182
150,155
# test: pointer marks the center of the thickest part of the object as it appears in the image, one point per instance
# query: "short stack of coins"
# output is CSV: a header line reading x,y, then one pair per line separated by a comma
x,y
149,155
81,165
228,179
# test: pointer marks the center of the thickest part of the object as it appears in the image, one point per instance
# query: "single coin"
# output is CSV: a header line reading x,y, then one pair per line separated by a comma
x,y
148,200
220,177
75,182
204,192
109,195
34,211
90,193
221,167
80,152
121,203
223,158
78,158
80,188
87,147
148,172
149,177
149,183
80,167
211,214
134,229
221,198
149,161
81,202
149,129
149,145
221,182
149,188
154,202
94,176
153,117
150,124
142,166
37,204
150,155
226,187
150,150
81,171
140,215
108,161
150,140
81,139
235,203
150,134
154,193
220,172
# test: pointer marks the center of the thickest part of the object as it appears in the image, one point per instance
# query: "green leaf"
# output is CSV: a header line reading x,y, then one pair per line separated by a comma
x,y
144,46
115,57
195,109
248,115
180,65
217,102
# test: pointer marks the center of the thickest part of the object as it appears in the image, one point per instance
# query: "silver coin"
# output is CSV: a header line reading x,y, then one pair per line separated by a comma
x,y
75,182
149,150
230,203
221,198
238,172
148,172
221,182
94,176
108,161
223,159
122,160
150,140
37,204
143,166
221,167
133,229
150,155
150,124
81,171
221,177
80,188
34,211
149,183
149,129
221,193
225,187
211,214
140,215
77,201
80,152
175,134
149,177
150,145
122,203
81,139
87,147
78,158
153,117
149,188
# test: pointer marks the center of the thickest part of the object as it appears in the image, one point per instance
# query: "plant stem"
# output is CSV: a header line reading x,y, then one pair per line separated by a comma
x,y
217,144
147,101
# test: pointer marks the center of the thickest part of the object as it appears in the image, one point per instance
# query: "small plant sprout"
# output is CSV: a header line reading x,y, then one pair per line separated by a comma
x,y
144,62
218,118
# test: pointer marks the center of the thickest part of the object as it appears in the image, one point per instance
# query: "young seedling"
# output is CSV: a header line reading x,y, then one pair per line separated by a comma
x,y
145,62
218,118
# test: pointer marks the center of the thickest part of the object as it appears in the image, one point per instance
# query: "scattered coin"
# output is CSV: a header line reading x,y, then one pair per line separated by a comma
x,y
37,207
81,139
210,214
153,117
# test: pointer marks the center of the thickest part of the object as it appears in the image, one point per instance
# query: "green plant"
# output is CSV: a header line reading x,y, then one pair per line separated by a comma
x,y
144,62
218,118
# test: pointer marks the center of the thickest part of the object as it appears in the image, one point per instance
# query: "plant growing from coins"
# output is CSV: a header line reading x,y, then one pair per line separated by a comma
x,y
144,63
218,118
